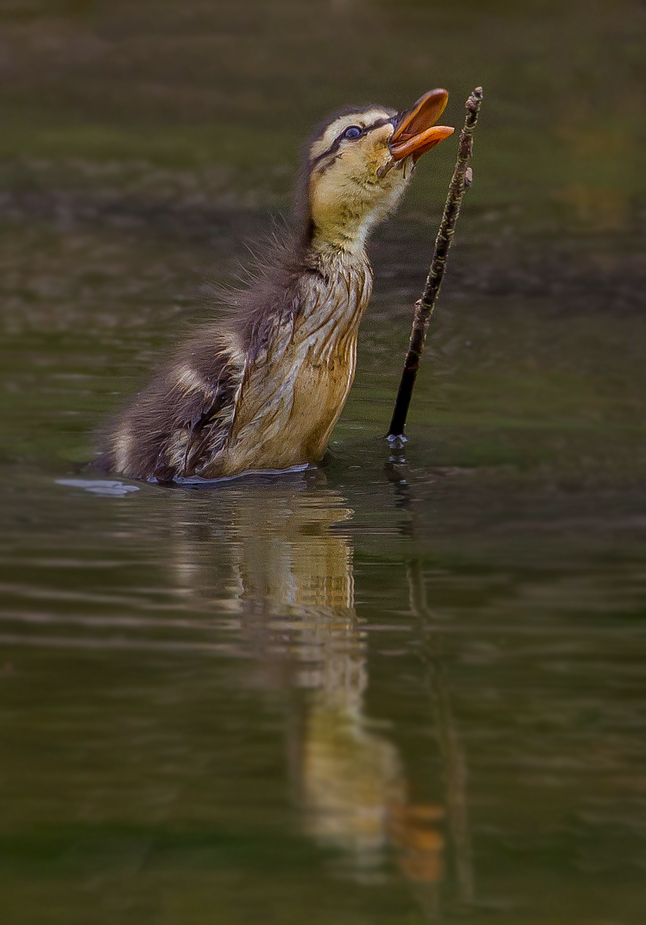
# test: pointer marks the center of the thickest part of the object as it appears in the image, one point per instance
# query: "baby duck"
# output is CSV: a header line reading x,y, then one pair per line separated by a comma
x,y
263,388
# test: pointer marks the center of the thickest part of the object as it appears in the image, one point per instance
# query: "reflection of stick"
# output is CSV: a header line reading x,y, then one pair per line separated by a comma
x,y
424,307
455,768
451,749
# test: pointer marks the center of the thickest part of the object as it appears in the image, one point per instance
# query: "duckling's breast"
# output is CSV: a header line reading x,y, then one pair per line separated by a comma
x,y
296,386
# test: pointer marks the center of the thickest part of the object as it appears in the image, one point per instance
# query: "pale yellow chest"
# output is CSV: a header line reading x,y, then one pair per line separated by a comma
x,y
293,394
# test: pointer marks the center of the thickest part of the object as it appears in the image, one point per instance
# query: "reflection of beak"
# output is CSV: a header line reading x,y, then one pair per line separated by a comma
x,y
416,131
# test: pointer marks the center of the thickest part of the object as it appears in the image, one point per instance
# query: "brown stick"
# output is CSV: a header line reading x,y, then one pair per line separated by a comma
x,y
424,307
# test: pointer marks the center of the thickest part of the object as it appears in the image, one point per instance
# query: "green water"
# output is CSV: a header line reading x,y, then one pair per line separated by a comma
x,y
397,689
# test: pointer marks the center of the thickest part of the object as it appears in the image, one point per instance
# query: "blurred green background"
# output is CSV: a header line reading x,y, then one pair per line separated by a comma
x,y
93,91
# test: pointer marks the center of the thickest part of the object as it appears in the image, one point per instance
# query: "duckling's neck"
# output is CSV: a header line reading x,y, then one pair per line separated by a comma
x,y
344,236
343,228
342,214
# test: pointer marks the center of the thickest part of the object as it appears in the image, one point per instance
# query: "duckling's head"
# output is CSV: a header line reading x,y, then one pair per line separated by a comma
x,y
359,164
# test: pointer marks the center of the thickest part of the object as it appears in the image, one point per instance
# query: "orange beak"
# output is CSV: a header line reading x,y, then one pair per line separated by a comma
x,y
416,131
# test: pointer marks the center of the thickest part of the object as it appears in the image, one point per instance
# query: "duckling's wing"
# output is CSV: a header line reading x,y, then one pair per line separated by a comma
x,y
183,418
204,423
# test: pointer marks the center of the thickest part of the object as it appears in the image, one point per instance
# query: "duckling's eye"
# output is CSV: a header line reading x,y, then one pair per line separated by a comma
x,y
352,132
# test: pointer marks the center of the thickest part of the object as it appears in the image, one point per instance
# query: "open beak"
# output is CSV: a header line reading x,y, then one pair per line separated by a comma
x,y
416,132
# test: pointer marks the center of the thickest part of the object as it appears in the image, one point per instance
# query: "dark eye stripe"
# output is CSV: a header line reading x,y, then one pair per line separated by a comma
x,y
334,147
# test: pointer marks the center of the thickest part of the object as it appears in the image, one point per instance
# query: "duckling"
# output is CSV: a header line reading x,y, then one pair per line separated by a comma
x,y
263,388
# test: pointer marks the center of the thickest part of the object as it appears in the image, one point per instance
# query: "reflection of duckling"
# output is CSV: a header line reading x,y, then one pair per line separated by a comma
x,y
263,389
282,569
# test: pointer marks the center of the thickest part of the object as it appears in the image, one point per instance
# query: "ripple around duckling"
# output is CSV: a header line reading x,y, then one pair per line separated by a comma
x,y
196,481
108,488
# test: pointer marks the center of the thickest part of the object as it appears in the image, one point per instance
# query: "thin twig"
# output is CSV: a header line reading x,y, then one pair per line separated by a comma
x,y
424,307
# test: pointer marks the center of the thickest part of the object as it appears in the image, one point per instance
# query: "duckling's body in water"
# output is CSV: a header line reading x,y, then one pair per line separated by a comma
x,y
264,387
